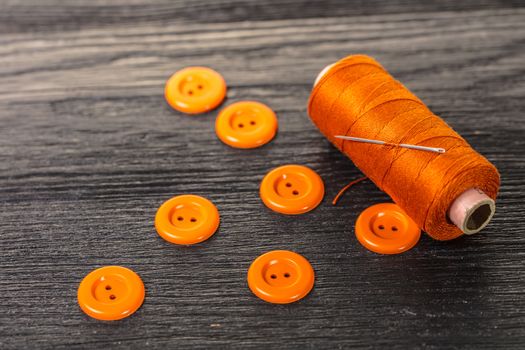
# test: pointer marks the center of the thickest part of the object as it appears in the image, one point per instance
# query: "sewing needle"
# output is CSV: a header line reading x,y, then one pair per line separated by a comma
x,y
403,145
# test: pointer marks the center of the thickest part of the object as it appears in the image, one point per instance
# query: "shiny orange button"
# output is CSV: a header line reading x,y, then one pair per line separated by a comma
x,y
195,90
280,277
187,219
110,293
246,124
292,189
386,229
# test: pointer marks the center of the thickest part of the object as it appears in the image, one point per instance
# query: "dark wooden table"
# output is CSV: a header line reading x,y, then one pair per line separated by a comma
x,y
89,150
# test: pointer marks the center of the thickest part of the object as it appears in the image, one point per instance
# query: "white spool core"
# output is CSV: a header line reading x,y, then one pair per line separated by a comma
x,y
471,211
323,72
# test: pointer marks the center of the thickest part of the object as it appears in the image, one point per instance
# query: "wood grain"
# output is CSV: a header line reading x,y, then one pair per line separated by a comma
x,y
89,150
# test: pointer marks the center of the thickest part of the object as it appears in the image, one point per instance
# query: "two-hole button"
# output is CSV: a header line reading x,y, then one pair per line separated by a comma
x,y
386,229
195,90
187,219
280,277
246,124
110,293
292,189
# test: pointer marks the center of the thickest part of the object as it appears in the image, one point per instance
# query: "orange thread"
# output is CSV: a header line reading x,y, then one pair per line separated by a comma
x,y
344,189
358,97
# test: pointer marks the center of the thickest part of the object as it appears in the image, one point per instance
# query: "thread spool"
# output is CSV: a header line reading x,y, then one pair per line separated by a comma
x,y
469,210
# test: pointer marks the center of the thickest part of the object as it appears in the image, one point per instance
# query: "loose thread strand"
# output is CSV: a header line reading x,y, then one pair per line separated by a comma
x,y
344,189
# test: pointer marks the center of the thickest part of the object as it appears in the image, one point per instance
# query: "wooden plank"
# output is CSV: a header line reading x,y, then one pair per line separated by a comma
x,y
57,15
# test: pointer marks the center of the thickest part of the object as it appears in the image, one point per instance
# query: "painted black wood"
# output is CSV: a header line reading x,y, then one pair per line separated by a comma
x,y
89,150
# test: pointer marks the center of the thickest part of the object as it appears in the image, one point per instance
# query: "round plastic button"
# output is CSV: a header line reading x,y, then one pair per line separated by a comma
x,y
110,293
386,229
246,124
195,90
292,189
280,277
187,219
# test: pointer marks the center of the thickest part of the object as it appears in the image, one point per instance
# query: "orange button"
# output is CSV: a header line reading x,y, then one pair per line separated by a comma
x,y
246,124
195,90
386,229
292,189
280,277
110,293
187,219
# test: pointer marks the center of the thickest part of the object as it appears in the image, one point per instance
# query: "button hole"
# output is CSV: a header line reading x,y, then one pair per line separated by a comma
x,y
199,87
241,125
252,123
193,220
180,218
288,184
295,192
108,287
273,277
286,275
394,228
190,92
112,297
381,227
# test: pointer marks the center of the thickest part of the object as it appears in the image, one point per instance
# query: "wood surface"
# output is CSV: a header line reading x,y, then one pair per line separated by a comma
x,y
89,150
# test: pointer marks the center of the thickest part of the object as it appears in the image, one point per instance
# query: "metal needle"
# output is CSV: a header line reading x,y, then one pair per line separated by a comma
x,y
403,145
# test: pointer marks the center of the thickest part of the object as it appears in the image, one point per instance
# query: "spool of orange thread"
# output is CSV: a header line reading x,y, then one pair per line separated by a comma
x,y
446,194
